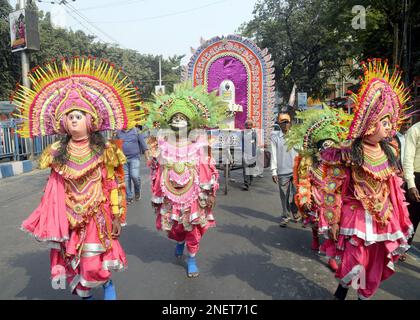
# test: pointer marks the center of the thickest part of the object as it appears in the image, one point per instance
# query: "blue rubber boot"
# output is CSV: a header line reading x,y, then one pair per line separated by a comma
x,y
192,267
109,291
179,249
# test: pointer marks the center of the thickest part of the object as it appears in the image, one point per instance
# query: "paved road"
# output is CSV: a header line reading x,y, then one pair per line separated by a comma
x,y
247,256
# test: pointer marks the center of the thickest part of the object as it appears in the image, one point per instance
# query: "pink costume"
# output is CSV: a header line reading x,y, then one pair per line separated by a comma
x,y
183,177
75,216
317,130
314,179
374,224
366,199
83,206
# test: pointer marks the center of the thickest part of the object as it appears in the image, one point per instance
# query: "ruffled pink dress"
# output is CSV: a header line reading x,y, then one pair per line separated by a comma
x,y
78,232
183,177
373,218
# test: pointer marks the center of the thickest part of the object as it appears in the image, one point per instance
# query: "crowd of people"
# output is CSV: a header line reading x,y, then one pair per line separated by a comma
x,y
341,174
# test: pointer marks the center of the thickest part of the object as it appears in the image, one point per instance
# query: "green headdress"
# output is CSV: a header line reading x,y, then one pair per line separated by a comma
x,y
201,108
318,125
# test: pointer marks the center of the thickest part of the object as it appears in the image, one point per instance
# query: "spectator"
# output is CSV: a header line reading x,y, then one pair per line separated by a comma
x,y
282,162
133,146
411,165
249,153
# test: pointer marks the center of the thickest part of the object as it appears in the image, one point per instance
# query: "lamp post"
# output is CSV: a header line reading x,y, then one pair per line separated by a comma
x,y
24,56
175,68
160,71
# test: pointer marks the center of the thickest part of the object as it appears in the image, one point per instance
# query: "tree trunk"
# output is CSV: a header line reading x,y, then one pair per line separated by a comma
x,y
395,54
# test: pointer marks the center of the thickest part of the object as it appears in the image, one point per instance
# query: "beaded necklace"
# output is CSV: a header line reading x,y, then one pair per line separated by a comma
x,y
81,160
371,183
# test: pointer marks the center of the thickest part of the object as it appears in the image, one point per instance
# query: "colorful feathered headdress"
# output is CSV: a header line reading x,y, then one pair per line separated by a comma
x,y
201,108
317,125
380,94
95,87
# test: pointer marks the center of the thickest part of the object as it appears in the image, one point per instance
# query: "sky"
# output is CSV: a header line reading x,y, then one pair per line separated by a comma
x,y
166,27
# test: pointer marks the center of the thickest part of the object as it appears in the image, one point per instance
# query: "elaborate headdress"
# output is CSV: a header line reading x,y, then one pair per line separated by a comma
x,y
317,125
95,87
201,108
380,94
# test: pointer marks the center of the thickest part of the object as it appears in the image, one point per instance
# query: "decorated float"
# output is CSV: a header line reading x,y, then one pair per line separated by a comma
x,y
243,75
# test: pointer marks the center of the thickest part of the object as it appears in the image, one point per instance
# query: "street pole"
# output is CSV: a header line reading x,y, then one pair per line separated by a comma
x,y
160,71
24,57
25,79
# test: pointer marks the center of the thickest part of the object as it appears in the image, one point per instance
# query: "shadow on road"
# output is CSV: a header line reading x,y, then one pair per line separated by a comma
x,y
401,284
280,239
247,212
147,245
139,241
259,185
37,266
408,265
259,273
274,236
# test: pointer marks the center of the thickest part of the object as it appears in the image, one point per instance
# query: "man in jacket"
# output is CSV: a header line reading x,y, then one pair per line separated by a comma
x,y
133,146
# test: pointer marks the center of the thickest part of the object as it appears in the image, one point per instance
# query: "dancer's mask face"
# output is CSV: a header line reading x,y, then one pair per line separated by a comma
x,y
327,144
77,125
179,121
383,130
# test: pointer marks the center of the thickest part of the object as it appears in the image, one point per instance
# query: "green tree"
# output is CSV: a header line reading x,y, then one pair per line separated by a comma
x,y
392,32
311,40
9,62
306,39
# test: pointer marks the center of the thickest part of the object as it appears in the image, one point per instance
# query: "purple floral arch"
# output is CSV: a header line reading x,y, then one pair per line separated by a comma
x,y
251,70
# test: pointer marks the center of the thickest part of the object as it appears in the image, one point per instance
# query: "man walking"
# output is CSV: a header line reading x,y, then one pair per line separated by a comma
x,y
133,146
282,167
411,166
249,153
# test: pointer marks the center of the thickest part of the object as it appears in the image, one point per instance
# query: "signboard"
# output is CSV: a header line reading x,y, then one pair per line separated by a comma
x,y
302,100
227,92
24,32
159,90
226,138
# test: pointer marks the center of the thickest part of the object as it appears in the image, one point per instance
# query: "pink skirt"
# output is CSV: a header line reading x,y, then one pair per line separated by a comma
x,y
92,267
357,222
367,250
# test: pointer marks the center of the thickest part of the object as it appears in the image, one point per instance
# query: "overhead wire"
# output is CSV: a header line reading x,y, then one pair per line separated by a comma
x,y
113,4
90,23
164,15
81,16
84,26
73,11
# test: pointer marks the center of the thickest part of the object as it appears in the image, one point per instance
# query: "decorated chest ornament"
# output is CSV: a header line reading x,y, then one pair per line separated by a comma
x,y
96,87
381,94
316,125
187,104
